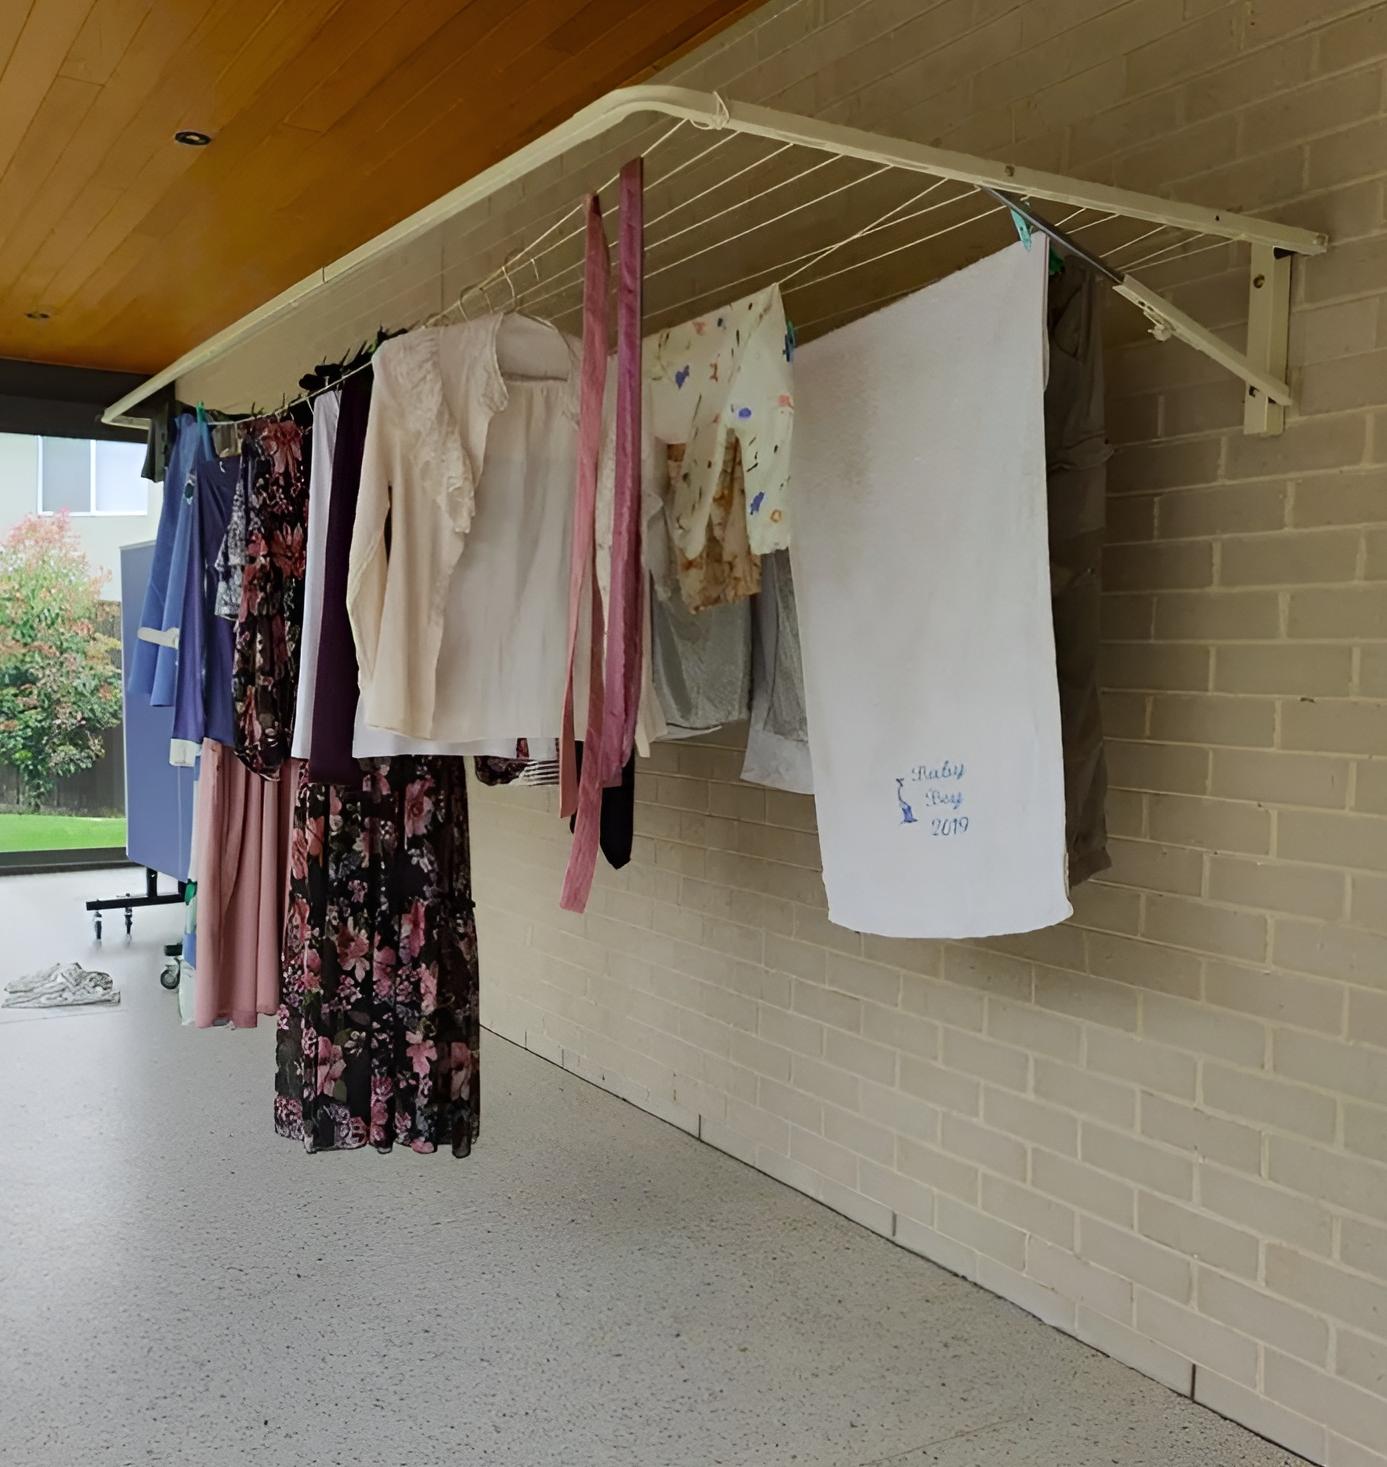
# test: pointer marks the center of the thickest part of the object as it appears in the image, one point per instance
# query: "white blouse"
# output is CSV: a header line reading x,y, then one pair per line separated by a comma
x,y
326,407
466,650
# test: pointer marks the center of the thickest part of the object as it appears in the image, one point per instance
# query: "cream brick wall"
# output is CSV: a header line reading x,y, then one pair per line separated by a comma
x,y
1162,1126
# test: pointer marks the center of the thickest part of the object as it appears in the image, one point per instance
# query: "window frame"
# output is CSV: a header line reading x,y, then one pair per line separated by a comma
x,y
91,512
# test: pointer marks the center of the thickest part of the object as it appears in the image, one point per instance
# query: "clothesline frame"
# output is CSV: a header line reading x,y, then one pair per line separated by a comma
x,y
1261,366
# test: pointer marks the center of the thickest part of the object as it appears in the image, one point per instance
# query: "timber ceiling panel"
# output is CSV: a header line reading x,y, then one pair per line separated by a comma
x,y
331,120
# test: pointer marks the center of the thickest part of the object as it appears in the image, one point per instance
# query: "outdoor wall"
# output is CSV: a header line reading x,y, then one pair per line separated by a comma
x,y
101,536
1161,1126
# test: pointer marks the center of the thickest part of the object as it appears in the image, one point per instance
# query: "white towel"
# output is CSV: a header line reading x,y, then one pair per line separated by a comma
x,y
922,572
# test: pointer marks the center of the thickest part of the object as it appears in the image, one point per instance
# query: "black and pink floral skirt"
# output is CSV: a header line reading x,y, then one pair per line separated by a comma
x,y
377,1031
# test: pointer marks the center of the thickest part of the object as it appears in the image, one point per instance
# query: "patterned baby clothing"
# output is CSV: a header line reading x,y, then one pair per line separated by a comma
x,y
726,569
724,376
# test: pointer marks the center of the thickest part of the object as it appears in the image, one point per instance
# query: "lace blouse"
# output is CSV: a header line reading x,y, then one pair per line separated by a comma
x,y
435,409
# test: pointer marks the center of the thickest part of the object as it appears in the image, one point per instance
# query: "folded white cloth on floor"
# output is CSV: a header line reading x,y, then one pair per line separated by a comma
x,y
922,576
60,986
32,982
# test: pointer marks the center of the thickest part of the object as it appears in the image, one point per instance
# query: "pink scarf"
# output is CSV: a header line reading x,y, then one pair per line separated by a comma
x,y
613,694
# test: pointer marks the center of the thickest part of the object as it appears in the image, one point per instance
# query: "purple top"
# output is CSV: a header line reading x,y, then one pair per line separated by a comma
x,y
335,696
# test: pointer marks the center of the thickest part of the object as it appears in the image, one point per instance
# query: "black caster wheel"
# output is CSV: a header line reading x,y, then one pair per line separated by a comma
x,y
96,923
169,976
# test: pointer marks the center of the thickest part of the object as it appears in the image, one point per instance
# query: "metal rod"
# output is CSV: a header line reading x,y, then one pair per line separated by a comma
x,y
1054,232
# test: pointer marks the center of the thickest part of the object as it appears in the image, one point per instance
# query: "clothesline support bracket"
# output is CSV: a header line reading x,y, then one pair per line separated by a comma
x,y
1268,334
1260,369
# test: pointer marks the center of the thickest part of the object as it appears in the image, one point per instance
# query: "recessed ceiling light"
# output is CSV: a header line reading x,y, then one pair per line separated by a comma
x,y
191,138
38,315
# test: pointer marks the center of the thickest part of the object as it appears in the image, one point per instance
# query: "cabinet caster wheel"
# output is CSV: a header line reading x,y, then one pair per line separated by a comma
x,y
169,976
96,923
129,922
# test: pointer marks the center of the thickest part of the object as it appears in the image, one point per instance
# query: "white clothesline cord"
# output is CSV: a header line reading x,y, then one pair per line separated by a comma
x,y
801,268
728,289
882,221
1095,223
713,188
742,204
725,289
1177,251
909,245
862,306
1131,244
778,218
571,275
530,252
569,284
904,290
742,234
502,273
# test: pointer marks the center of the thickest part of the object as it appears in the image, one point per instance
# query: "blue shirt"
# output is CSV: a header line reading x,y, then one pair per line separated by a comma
x,y
202,695
154,666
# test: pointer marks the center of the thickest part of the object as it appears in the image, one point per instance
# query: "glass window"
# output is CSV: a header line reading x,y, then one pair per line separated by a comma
x,y
117,487
65,481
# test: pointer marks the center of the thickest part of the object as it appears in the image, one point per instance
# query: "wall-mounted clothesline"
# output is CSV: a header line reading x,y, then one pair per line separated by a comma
x,y
751,195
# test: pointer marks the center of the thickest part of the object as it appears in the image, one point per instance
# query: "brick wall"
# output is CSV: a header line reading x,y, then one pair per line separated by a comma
x,y
1161,1126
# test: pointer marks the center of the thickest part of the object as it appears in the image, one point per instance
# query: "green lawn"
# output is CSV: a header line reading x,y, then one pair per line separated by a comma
x,y
60,833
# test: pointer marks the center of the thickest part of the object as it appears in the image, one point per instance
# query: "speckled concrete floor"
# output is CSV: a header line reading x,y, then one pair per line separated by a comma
x,y
591,1287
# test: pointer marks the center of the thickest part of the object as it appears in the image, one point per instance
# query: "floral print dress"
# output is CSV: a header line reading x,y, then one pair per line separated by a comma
x,y
377,1031
268,624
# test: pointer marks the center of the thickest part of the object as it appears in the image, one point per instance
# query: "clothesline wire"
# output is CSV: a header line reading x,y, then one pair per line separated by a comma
x,y
569,277
903,290
742,234
1173,249
1133,243
529,251
576,270
810,255
776,219
909,245
742,204
500,273
880,222
1094,223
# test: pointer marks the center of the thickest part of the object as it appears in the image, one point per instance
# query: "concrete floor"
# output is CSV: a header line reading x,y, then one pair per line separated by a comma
x,y
591,1287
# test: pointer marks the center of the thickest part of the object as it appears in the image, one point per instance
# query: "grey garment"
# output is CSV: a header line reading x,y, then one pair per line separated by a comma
x,y
777,698
1076,459
701,664
777,741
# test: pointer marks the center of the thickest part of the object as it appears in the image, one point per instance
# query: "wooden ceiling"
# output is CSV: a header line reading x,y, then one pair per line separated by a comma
x,y
331,120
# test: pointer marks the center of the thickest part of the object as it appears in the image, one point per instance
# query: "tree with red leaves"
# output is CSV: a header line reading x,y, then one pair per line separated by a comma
x,y
59,673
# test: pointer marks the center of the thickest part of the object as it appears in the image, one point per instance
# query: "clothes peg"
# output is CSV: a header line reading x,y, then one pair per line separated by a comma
x,y
1023,229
